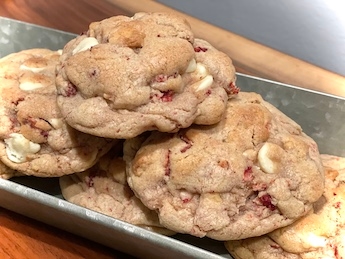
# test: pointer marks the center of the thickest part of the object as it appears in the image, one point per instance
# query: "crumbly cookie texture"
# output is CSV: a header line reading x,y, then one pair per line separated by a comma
x,y
251,173
320,234
35,139
104,188
128,75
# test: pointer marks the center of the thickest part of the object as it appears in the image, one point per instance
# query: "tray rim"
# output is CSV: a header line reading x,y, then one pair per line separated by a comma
x,y
11,191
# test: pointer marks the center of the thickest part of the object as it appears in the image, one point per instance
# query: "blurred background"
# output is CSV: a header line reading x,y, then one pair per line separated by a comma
x,y
313,31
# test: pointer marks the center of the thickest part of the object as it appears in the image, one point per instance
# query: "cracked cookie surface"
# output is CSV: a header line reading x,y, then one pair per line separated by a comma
x,y
35,140
320,234
251,173
127,75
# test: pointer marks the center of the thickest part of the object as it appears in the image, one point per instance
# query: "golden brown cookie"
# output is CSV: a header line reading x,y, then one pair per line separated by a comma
x,y
251,173
34,138
128,75
320,234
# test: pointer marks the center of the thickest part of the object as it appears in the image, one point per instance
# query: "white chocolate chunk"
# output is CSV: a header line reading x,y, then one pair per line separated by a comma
x,y
316,241
18,147
29,86
204,83
85,44
32,69
191,66
268,157
56,123
59,51
185,196
201,71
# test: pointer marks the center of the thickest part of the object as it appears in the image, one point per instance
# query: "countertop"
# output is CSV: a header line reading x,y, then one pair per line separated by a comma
x,y
22,237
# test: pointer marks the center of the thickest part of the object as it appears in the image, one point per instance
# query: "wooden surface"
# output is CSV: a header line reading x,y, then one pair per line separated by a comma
x,y
25,238
72,16
21,237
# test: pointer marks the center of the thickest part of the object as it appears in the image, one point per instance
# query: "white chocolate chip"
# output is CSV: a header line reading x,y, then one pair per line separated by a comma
x,y
32,69
18,147
204,79
316,241
191,66
204,83
56,123
201,71
59,51
269,158
85,44
185,196
28,86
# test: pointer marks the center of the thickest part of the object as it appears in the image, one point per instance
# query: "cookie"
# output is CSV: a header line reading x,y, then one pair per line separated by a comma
x,y
103,188
251,173
34,137
7,173
128,75
320,234
261,247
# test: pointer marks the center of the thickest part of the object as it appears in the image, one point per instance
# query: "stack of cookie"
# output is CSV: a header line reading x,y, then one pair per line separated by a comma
x,y
36,140
144,122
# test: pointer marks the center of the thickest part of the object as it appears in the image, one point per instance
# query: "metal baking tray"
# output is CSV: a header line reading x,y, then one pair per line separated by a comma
x,y
321,116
